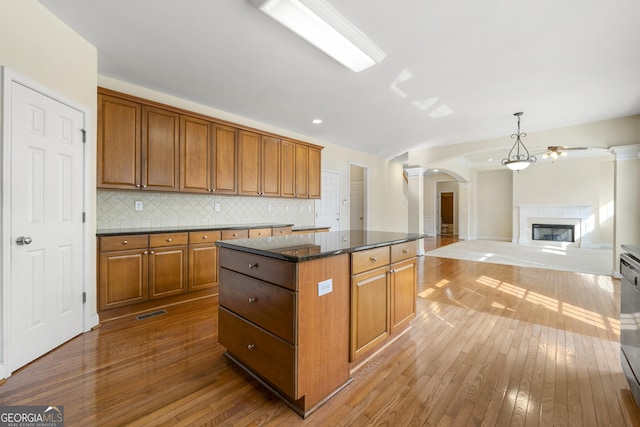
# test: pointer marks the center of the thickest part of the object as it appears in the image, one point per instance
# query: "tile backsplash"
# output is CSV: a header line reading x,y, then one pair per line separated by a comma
x,y
116,210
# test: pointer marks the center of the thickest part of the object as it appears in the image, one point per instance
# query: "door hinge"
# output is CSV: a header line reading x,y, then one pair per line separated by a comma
x,y
84,135
84,217
84,297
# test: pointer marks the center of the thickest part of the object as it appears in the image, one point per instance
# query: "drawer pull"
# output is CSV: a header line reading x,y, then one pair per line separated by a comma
x,y
205,237
253,266
124,242
252,300
235,234
405,251
169,240
251,346
374,258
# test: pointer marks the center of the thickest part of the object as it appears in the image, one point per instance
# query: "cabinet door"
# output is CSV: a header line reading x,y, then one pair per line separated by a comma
x,y
302,171
249,163
315,173
123,278
369,310
225,158
195,155
160,149
403,293
118,143
270,171
287,169
203,266
167,271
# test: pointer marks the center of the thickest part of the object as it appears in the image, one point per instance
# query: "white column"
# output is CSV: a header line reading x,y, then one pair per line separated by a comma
x,y
626,227
415,176
463,210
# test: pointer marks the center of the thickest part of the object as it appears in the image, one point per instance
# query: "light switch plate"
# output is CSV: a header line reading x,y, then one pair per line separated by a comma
x,y
325,287
138,205
216,207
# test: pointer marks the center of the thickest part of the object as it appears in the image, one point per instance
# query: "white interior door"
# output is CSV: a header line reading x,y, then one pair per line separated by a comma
x,y
328,207
357,205
46,306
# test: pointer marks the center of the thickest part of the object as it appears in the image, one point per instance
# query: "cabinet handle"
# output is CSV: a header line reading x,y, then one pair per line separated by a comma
x,y
124,242
374,258
138,185
253,266
169,240
146,252
405,251
252,300
209,190
144,186
151,252
251,346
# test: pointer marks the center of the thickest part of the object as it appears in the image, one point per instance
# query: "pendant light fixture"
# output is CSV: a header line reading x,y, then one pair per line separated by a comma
x,y
518,158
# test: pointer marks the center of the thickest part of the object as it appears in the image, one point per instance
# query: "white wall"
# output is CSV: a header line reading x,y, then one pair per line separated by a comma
x,y
493,204
37,45
587,181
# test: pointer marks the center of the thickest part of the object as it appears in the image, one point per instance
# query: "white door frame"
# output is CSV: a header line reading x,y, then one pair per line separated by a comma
x,y
90,316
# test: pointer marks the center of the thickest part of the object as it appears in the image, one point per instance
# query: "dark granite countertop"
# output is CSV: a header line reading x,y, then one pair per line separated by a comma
x,y
634,249
177,229
303,247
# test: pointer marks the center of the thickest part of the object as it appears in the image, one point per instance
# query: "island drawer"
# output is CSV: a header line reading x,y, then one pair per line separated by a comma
x,y
235,234
402,251
259,232
197,237
265,354
268,306
120,243
168,239
369,259
275,271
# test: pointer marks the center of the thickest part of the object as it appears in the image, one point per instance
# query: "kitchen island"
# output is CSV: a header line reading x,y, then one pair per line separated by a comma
x,y
300,312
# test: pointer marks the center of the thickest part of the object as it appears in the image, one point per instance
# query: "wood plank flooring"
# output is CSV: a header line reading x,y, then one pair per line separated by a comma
x,y
491,345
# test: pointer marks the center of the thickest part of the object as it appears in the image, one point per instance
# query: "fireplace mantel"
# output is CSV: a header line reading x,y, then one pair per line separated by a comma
x,y
579,213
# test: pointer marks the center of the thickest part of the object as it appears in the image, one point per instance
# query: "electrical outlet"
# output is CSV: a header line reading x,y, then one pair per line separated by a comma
x,y
138,205
216,207
309,208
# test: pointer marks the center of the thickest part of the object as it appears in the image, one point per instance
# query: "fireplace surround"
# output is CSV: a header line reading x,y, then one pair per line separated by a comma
x,y
578,216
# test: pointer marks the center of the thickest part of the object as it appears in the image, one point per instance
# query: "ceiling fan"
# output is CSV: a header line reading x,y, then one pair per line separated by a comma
x,y
555,151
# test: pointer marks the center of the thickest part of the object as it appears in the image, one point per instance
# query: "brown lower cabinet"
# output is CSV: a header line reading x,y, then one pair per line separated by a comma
x,y
277,326
138,268
383,295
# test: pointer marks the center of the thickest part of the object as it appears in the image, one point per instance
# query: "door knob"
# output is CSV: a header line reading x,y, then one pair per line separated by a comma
x,y
23,240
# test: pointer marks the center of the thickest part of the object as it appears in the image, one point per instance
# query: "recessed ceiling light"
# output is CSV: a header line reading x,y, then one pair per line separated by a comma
x,y
435,170
316,121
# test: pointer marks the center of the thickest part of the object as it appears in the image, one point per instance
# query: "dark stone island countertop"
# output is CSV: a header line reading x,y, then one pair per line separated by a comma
x,y
303,247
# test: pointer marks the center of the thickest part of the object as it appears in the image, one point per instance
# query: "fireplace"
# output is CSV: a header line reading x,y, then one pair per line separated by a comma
x,y
578,217
553,232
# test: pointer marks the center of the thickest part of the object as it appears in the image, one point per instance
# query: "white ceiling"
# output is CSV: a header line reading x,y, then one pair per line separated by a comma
x,y
561,62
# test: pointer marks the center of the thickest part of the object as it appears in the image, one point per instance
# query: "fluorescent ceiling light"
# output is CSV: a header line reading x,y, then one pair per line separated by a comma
x,y
325,28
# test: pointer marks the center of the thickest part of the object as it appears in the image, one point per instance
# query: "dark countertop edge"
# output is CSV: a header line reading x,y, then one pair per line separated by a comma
x,y
187,228
275,255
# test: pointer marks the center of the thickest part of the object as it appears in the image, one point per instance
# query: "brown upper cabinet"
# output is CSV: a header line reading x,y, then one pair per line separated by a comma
x,y
151,146
258,165
225,159
138,145
300,170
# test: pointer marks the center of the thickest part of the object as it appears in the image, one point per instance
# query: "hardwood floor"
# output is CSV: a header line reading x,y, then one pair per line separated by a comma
x,y
491,345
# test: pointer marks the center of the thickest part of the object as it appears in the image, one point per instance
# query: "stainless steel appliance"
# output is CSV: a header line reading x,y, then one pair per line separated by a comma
x,y
630,321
